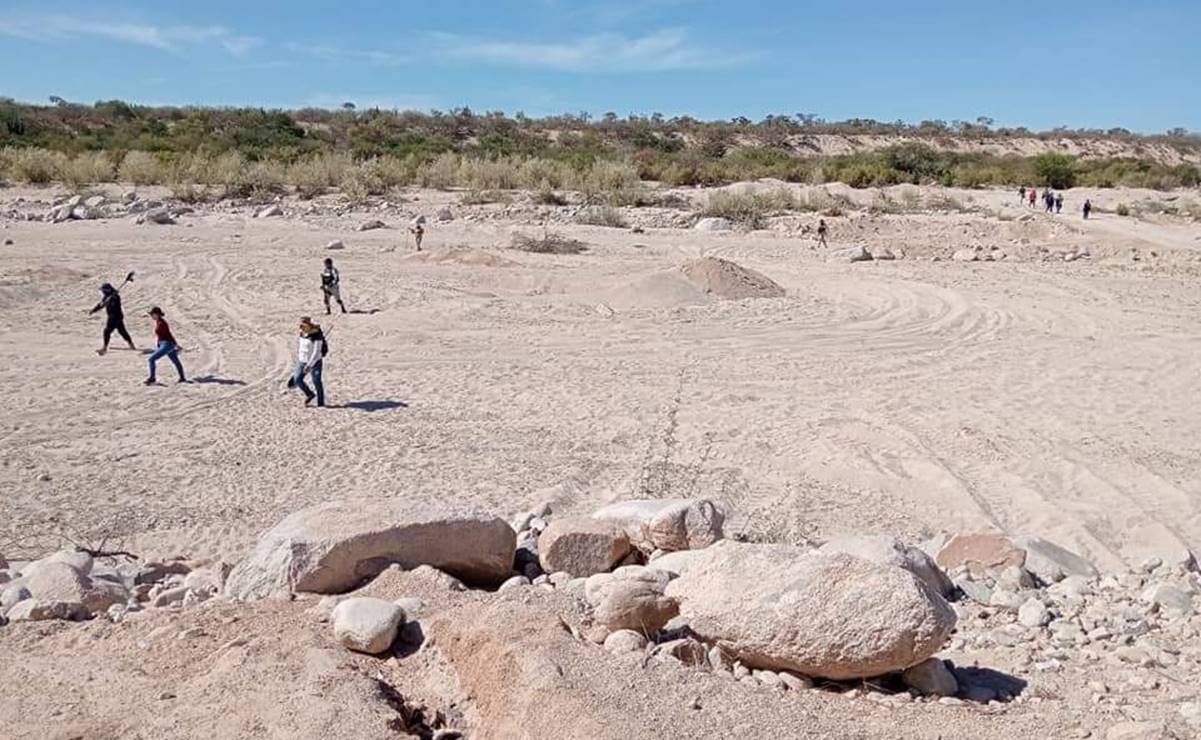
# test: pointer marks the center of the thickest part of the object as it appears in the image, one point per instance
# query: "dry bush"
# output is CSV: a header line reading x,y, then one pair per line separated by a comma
x,y
946,202
490,174
1123,209
391,172
441,173
602,216
548,197
141,168
311,177
190,192
258,181
35,166
605,177
749,210
545,174
483,197
88,168
549,243
909,197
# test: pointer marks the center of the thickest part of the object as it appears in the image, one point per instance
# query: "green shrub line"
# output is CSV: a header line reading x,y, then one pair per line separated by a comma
x,y
226,151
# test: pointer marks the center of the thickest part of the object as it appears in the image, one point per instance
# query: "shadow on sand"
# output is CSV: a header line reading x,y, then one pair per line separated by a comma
x,y
214,380
374,405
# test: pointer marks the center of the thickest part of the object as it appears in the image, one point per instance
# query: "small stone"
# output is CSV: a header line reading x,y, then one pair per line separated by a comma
x,y
1006,599
367,625
270,211
625,641
190,633
1033,613
372,225
770,679
514,582
931,677
686,650
335,244
1150,564
794,682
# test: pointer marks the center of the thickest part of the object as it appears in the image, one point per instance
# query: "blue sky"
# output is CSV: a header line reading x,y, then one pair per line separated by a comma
x,y
1094,64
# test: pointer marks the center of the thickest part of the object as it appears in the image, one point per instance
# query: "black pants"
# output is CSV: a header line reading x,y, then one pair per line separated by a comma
x,y
116,324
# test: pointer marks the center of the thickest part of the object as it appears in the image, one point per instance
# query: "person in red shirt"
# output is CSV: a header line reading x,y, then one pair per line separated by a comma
x,y
166,346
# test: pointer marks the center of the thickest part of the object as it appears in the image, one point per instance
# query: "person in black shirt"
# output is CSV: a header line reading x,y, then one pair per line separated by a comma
x,y
110,301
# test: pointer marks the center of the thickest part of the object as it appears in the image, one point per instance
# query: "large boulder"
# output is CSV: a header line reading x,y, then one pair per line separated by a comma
x,y
822,615
1052,563
334,547
667,524
887,550
980,552
582,546
366,625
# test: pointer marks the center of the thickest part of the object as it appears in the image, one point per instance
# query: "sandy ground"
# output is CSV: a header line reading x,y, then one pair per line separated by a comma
x,y
1027,395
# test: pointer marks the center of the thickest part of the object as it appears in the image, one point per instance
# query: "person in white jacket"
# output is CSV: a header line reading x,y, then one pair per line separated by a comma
x,y
310,352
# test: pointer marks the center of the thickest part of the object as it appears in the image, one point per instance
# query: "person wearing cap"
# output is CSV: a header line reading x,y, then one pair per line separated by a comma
x,y
110,301
167,346
309,354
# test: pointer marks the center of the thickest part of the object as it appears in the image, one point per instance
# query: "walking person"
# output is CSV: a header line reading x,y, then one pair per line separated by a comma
x,y
417,229
821,232
1058,202
1022,195
1049,201
167,346
1088,208
110,301
310,352
330,285
1033,196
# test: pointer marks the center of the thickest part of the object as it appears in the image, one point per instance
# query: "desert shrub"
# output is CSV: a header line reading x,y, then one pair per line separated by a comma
x,y
945,202
549,243
909,197
190,192
483,197
546,174
35,166
257,181
750,210
602,216
1123,209
441,173
141,168
88,168
1054,170
604,177
312,176
548,197
490,174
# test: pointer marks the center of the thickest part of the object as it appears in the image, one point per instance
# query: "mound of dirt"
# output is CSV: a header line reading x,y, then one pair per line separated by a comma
x,y
726,279
460,256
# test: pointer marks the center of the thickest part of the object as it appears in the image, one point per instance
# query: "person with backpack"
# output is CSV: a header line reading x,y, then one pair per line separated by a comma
x,y
310,352
167,346
110,301
330,282
1049,201
1059,202
1088,208
417,229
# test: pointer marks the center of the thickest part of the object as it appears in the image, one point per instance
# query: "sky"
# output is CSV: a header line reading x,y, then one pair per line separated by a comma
x,y
1097,64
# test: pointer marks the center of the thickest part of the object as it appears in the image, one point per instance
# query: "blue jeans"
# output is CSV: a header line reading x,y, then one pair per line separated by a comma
x,y
298,379
171,352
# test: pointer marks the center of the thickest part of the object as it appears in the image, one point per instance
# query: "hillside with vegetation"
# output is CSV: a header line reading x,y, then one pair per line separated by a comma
x,y
228,151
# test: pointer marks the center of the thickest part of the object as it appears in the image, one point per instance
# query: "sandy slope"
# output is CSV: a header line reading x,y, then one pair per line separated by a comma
x,y
908,396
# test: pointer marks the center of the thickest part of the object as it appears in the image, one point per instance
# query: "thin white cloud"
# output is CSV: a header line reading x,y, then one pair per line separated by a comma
x,y
668,49
331,53
48,28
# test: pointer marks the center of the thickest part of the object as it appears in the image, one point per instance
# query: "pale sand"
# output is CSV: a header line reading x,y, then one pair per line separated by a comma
x,y
1050,398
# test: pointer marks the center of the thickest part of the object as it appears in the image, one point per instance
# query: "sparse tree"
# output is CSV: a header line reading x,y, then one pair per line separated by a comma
x,y
348,105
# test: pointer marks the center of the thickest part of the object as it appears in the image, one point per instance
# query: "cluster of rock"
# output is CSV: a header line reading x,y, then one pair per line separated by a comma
x,y
99,206
71,585
1052,608
862,254
658,580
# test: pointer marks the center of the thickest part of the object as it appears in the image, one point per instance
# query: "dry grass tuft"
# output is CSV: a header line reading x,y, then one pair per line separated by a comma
x,y
549,243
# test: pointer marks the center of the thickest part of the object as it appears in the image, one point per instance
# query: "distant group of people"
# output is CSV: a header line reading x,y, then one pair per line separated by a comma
x,y
1052,201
